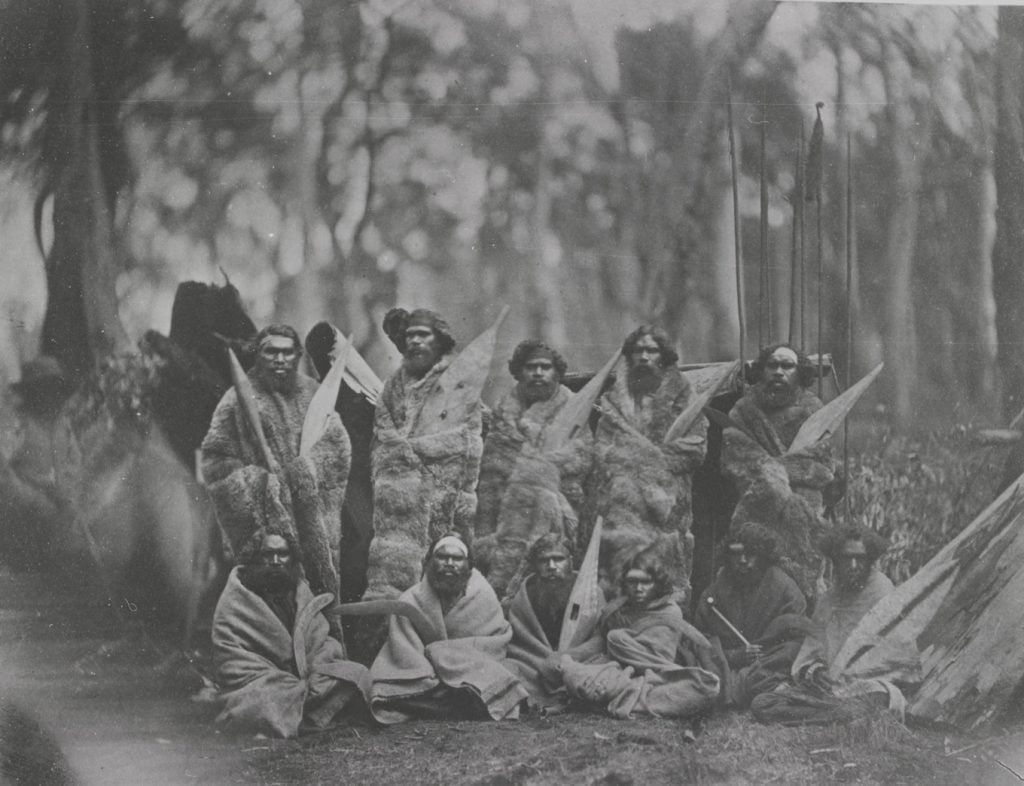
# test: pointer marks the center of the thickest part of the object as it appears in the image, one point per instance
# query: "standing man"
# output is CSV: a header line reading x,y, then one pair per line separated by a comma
x,y
298,494
527,490
448,662
764,605
644,485
278,670
783,491
424,474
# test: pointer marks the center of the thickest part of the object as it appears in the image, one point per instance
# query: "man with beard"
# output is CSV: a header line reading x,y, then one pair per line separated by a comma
x,y
764,605
300,495
630,666
278,670
424,478
644,485
819,692
537,613
525,489
446,659
784,491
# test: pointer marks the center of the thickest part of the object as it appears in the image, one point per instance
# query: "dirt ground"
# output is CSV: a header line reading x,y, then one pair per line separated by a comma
x,y
118,724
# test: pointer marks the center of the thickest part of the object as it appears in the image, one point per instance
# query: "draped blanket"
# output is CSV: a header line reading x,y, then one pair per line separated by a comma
x,y
771,615
525,491
464,648
304,499
630,665
272,680
644,485
530,651
783,492
424,484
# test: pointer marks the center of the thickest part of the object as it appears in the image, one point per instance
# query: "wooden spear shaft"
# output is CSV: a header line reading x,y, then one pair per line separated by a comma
x,y
738,242
849,319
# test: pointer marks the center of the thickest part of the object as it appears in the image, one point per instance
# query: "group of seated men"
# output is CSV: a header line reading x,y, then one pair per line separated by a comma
x,y
479,518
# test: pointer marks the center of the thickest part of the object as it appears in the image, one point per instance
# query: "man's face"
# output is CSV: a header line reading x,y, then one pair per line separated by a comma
x,y
273,568
852,566
278,361
744,566
645,365
645,353
538,380
421,349
552,565
780,370
639,587
449,570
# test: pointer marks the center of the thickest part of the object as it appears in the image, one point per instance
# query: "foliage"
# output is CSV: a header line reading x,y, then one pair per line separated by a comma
x,y
920,493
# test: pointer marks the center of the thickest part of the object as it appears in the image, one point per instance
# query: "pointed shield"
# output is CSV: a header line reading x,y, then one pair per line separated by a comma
x,y
586,599
826,420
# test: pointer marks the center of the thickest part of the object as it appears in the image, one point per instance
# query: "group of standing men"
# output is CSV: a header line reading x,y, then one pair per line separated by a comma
x,y
476,532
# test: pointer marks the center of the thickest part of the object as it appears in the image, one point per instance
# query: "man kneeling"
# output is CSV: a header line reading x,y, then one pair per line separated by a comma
x,y
445,657
278,669
630,664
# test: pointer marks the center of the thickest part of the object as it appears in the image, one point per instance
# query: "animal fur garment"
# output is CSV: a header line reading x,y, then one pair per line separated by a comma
x,y
531,653
644,485
274,680
305,499
524,491
630,667
465,648
783,492
423,484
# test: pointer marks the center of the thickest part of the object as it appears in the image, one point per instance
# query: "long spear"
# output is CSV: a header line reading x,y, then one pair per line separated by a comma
x,y
795,282
849,317
803,243
764,306
736,230
814,173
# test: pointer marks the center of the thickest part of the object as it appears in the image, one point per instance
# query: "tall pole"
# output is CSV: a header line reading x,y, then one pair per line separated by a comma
x,y
736,231
764,306
849,318
803,243
815,162
794,253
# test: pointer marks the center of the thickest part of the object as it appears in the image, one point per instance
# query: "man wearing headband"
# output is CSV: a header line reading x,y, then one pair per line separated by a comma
x,y
644,485
782,491
424,465
302,496
447,661
525,489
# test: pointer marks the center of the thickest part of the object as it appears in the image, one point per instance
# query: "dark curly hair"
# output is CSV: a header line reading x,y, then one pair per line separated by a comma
x,y
648,560
247,554
552,540
281,330
397,321
832,544
807,372
757,539
669,357
525,351
438,539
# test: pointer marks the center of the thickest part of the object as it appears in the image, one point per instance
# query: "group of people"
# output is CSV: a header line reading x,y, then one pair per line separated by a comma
x,y
480,521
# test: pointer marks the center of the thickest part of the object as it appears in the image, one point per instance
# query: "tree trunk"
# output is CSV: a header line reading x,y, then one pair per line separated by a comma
x,y
82,322
1008,252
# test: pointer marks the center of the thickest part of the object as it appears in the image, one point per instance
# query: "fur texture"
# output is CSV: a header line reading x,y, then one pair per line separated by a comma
x,y
423,484
525,492
781,492
305,499
644,485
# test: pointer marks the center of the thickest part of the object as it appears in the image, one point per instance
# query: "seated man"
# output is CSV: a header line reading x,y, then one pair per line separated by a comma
x,y
278,670
536,614
764,605
629,666
444,658
818,692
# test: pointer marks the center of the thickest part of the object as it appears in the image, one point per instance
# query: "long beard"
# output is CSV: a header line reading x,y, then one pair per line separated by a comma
x,y
775,396
271,579
531,392
285,385
417,364
551,596
448,586
643,380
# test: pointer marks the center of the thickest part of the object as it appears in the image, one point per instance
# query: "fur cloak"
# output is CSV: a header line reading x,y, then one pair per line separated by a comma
x,y
424,484
305,499
531,653
273,680
643,485
783,492
634,672
524,491
465,649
